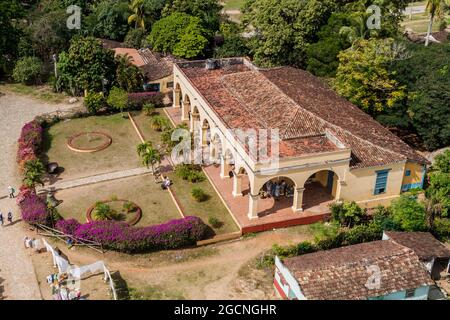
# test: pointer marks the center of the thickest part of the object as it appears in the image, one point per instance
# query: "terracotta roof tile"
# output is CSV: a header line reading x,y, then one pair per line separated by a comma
x,y
300,106
342,273
156,66
422,243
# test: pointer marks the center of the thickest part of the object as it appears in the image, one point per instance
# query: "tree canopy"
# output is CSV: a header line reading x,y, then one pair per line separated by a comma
x,y
180,34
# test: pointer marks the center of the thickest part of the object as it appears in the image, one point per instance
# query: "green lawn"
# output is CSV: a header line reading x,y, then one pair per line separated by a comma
x,y
144,125
120,155
213,207
156,204
43,92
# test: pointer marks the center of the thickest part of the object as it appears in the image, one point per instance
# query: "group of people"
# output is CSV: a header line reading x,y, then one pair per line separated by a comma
x,y
9,217
277,189
11,193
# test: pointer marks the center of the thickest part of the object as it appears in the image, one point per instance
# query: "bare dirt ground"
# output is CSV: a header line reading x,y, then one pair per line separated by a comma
x,y
17,277
221,271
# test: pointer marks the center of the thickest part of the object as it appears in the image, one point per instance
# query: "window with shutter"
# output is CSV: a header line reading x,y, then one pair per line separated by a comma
x,y
381,181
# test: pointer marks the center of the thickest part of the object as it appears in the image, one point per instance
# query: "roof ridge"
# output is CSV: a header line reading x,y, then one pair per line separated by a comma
x,y
323,120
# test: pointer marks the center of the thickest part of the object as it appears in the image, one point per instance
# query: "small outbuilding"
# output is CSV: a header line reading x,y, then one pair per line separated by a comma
x,y
432,253
378,270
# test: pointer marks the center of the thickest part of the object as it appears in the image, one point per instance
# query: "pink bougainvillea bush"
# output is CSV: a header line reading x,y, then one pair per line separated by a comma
x,y
34,209
122,237
68,226
29,142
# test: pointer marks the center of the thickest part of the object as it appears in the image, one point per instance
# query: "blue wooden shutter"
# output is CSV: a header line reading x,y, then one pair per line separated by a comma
x,y
381,182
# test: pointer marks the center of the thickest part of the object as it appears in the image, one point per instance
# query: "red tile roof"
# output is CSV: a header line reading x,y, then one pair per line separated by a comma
x,y
135,57
300,106
422,243
156,65
342,273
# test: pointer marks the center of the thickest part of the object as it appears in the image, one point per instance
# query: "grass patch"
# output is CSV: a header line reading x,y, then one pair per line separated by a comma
x,y
42,92
213,207
210,208
233,4
156,204
120,155
419,23
144,124
155,293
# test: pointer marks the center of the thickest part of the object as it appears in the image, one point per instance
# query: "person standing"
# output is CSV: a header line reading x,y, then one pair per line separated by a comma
x,y
10,216
11,192
1,218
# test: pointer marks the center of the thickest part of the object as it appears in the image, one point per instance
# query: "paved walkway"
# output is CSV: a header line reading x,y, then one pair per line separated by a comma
x,y
67,184
17,277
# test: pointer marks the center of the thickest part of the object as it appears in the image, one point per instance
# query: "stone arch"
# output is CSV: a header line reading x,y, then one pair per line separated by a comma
x,y
320,188
216,147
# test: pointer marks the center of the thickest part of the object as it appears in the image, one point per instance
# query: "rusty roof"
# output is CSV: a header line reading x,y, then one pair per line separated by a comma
x,y
343,273
423,244
300,105
157,66
135,57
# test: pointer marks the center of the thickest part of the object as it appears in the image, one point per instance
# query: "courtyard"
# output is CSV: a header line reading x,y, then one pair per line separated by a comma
x,y
116,173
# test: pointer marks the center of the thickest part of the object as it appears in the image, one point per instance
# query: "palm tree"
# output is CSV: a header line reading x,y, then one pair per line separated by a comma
x,y
34,172
149,155
435,8
159,123
137,6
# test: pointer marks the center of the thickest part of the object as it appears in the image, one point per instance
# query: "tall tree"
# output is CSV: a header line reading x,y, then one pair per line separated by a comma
x,y
180,34
128,76
85,66
138,16
363,76
283,29
436,9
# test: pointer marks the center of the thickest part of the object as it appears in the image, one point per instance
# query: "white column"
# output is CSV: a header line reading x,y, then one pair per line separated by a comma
x,y
176,98
185,111
223,167
253,206
298,200
237,185
339,186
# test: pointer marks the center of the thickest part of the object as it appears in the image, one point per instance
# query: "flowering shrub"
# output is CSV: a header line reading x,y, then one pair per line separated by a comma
x,y
29,142
34,209
138,99
68,226
122,237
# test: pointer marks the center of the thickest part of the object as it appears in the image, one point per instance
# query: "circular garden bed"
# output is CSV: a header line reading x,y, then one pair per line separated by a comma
x,y
89,142
118,210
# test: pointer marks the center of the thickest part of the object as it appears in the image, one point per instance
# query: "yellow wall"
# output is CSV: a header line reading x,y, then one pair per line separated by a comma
x,y
360,183
416,173
163,84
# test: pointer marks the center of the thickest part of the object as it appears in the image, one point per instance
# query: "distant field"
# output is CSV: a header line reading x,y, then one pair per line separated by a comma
x,y
419,22
233,4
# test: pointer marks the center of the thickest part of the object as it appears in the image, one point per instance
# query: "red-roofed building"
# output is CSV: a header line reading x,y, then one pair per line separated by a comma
x,y
318,146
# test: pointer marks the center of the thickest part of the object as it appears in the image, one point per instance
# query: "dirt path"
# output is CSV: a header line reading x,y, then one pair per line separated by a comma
x,y
212,272
17,277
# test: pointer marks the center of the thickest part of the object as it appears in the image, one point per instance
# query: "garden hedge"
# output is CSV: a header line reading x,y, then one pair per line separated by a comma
x,y
120,236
